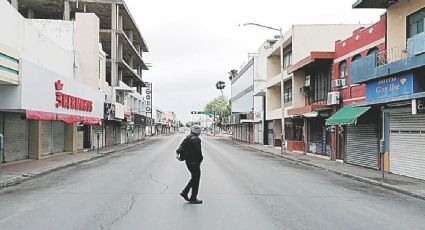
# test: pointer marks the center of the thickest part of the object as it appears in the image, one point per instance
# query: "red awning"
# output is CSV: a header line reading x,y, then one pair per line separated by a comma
x,y
68,119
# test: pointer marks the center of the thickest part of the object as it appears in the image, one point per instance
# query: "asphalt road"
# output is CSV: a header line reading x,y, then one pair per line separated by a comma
x,y
241,189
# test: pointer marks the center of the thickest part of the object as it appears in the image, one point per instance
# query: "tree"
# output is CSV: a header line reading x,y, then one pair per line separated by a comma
x,y
219,106
220,85
232,74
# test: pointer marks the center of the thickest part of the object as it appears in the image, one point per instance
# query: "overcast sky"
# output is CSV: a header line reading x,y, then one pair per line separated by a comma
x,y
194,43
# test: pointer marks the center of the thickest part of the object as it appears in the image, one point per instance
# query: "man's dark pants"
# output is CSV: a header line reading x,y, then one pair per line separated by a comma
x,y
195,172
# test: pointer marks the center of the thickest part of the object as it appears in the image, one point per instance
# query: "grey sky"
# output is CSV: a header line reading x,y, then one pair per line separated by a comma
x,y
194,43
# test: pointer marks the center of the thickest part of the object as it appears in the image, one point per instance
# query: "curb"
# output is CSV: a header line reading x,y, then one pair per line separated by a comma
x,y
23,178
344,174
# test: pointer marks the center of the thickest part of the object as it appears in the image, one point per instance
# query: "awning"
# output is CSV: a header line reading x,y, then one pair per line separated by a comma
x,y
347,116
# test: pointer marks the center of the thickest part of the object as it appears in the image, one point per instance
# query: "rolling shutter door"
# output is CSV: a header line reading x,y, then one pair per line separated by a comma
x,y
46,138
16,132
58,128
407,143
2,132
52,137
362,146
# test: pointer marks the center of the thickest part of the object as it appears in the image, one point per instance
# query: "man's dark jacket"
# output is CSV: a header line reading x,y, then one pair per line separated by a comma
x,y
192,147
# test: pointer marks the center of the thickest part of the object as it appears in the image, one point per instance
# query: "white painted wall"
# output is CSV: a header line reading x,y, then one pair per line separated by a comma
x,y
38,93
308,38
44,59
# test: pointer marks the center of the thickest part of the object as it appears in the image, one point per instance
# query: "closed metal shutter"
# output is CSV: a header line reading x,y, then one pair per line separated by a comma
x,y
46,138
123,135
2,132
362,146
407,143
16,133
52,137
58,136
270,133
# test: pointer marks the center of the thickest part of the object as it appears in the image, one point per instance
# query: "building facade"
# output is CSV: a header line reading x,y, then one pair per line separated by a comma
x,y
301,54
355,141
123,45
50,87
395,85
242,102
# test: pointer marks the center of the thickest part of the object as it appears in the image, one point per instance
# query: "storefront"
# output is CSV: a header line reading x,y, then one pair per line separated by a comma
x,y
15,129
357,128
294,134
402,98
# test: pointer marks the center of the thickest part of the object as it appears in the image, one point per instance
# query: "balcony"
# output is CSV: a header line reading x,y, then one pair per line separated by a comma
x,y
389,62
377,4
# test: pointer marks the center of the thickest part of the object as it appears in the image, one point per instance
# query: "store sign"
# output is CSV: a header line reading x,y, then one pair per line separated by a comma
x,y
148,92
70,102
391,87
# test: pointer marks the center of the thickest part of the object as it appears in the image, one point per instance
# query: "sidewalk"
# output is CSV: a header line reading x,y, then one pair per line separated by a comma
x,y
17,172
401,184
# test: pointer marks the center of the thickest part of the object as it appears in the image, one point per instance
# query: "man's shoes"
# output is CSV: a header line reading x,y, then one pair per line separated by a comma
x,y
184,195
195,201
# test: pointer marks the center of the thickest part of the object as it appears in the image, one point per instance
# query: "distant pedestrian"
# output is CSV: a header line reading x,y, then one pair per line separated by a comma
x,y
190,151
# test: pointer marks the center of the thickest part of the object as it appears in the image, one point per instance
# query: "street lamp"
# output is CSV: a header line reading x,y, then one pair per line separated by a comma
x,y
282,145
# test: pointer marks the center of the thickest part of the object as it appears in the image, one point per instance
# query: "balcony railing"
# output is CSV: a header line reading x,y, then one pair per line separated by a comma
x,y
391,55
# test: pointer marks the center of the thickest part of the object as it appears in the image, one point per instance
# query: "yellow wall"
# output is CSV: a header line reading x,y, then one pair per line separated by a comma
x,y
397,21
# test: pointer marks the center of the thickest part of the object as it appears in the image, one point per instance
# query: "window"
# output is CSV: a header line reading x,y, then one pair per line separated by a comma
x,y
373,51
415,23
342,69
356,57
287,57
320,85
287,91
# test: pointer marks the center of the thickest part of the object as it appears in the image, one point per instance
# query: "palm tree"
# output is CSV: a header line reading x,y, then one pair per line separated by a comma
x,y
220,85
232,74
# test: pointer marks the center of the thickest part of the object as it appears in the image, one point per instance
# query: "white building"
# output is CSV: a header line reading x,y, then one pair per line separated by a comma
x,y
52,75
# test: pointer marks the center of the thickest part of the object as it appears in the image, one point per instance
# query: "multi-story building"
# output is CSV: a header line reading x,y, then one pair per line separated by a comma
x,y
242,101
123,44
52,73
395,84
354,131
307,58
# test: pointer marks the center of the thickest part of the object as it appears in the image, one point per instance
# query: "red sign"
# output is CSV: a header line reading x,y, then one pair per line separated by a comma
x,y
70,102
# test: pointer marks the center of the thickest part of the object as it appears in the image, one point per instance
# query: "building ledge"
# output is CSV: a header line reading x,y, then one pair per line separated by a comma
x,y
306,109
376,4
313,57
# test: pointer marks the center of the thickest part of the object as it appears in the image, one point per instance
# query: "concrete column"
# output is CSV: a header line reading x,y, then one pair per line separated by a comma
x,y
35,140
130,36
30,13
70,138
120,50
120,22
15,4
66,11
114,45
138,48
131,61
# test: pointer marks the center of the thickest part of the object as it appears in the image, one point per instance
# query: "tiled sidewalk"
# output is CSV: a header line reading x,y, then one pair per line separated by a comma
x,y
15,173
402,184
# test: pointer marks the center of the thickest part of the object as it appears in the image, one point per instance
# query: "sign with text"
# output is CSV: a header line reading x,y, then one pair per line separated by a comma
x,y
148,96
391,87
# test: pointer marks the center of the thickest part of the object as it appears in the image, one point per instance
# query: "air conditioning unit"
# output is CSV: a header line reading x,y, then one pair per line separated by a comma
x,y
333,98
338,83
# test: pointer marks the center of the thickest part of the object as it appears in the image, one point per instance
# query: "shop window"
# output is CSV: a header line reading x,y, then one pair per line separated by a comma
x,y
415,23
342,70
294,130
